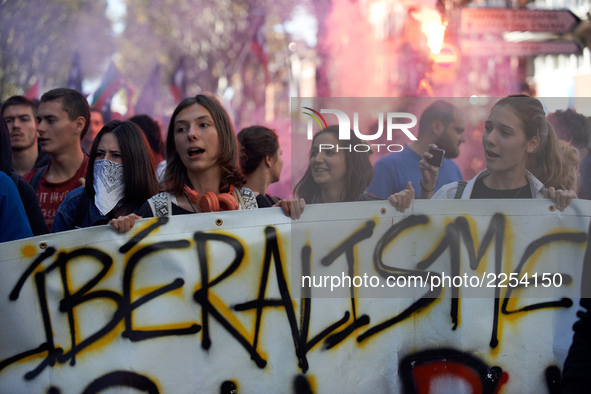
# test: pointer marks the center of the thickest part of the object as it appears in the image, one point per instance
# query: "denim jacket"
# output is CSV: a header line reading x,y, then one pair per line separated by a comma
x,y
67,212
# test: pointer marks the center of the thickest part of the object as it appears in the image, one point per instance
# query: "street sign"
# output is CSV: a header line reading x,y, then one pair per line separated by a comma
x,y
500,20
528,48
448,59
445,64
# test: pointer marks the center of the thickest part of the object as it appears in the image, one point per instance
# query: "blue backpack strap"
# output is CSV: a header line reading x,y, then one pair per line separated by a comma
x,y
460,189
36,180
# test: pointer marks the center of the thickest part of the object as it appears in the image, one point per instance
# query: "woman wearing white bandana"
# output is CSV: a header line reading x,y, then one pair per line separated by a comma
x,y
119,179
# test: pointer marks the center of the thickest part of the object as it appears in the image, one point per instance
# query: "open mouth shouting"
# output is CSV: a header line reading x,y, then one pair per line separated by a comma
x,y
195,153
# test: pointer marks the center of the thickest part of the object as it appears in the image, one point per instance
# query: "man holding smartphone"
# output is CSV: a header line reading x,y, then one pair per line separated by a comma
x,y
441,124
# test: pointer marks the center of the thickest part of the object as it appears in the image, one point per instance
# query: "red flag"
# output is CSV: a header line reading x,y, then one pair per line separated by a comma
x,y
178,82
34,92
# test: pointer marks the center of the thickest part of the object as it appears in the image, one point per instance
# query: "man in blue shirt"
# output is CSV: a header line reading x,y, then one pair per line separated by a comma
x,y
442,124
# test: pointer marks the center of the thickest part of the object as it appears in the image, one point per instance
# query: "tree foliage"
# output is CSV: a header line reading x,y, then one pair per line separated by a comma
x,y
39,39
213,37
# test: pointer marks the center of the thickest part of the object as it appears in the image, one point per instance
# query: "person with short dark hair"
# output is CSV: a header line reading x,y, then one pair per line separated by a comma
x,y
440,124
119,179
64,117
25,191
20,114
260,158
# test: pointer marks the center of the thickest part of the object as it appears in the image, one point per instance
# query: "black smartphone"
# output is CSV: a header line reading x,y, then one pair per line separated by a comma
x,y
437,159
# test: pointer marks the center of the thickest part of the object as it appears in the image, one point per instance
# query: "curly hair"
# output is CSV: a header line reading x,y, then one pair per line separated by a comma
x,y
571,163
73,102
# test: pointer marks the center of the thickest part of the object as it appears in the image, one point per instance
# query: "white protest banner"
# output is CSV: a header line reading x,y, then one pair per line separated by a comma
x,y
351,298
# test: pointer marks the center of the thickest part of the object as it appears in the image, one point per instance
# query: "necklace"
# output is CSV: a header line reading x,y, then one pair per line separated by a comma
x,y
515,196
190,203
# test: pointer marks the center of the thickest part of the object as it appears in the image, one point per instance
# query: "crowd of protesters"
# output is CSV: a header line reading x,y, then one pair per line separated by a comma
x,y
86,173
62,168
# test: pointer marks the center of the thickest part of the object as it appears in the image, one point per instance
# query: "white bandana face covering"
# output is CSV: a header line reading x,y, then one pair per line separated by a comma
x,y
108,185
